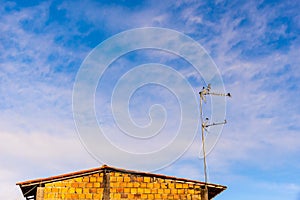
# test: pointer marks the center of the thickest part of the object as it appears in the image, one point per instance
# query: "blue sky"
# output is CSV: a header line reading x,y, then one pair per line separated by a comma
x,y
255,45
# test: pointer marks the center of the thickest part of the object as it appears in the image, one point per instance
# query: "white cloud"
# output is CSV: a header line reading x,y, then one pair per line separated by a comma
x,y
35,155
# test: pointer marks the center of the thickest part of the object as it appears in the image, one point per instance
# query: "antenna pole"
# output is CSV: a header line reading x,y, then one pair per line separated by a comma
x,y
203,142
204,125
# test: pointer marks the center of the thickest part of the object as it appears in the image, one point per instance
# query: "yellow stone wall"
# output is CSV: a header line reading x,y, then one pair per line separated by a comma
x,y
129,186
86,187
121,186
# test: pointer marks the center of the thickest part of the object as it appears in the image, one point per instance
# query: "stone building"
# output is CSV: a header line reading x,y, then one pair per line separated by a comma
x,y
113,183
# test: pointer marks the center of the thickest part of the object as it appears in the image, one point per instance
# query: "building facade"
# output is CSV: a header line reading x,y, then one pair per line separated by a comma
x,y
109,183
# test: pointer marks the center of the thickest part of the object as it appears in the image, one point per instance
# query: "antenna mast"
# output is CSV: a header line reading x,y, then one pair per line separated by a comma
x,y
205,124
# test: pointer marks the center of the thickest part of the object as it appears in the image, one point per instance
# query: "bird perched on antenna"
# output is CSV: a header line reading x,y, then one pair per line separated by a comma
x,y
205,91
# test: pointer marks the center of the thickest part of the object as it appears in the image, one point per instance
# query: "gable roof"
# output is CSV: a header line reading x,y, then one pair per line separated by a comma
x,y
29,187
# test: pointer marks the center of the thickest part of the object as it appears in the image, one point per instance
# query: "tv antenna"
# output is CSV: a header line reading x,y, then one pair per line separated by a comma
x,y
205,123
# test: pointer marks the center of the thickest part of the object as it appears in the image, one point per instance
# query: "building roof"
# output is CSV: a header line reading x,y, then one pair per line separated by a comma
x,y
29,187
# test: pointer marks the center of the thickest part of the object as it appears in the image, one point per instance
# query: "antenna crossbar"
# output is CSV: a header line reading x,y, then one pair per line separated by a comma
x,y
215,123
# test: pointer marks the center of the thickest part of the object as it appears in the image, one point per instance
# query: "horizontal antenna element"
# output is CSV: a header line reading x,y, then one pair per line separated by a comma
x,y
206,91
